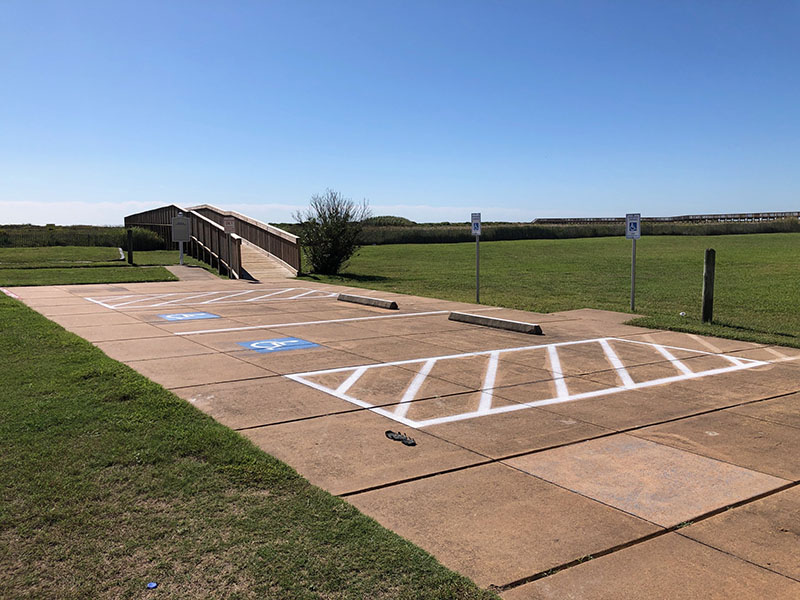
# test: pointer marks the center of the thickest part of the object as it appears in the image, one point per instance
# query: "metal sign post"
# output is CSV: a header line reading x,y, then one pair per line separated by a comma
x,y
230,227
181,231
633,231
476,231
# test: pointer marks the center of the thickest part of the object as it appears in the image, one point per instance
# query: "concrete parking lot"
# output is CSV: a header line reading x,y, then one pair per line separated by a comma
x,y
598,460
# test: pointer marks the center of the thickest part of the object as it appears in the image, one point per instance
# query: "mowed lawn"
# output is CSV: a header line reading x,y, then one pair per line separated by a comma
x,y
64,265
108,481
757,279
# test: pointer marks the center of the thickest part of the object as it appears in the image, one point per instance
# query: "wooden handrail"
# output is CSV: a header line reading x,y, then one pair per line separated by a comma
x,y
280,244
209,242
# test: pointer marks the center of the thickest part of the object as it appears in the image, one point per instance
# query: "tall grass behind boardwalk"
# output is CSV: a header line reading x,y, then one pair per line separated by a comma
x,y
757,289
395,230
35,236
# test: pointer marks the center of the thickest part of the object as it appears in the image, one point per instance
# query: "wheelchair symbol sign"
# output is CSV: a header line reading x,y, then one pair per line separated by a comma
x,y
633,230
278,345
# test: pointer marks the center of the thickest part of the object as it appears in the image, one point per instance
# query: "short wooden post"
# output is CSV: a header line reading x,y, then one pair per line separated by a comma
x,y
130,246
708,285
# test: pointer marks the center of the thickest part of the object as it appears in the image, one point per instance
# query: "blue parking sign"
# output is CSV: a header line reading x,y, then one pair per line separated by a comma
x,y
278,345
191,316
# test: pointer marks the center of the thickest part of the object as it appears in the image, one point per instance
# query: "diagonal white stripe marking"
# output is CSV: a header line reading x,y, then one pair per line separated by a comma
x,y
776,353
705,343
413,388
671,358
555,370
488,383
270,294
228,296
182,299
617,364
143,299
348,383
301,295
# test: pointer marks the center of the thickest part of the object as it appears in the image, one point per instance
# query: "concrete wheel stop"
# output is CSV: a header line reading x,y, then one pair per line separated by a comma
x,y
366,300
507,324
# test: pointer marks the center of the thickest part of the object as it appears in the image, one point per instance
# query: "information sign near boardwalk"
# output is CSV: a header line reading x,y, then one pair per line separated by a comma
x,y
181,231
633,231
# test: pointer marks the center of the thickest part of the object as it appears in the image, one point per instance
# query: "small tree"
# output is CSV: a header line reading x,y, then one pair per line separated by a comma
x,y
330,230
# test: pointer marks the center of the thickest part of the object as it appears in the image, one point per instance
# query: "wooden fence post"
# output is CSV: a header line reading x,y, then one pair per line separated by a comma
x,y
708,285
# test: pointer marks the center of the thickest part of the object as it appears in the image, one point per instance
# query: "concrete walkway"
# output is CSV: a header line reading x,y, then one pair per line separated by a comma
x,y
596,461
260,265
193,273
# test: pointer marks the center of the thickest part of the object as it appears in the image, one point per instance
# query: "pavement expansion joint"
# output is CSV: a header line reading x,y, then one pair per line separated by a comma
x,y
502,459
646,538
237,380
736,556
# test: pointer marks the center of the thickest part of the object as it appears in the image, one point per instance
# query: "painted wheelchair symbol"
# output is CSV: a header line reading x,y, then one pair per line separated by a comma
x,y
278,344
271,345
188,316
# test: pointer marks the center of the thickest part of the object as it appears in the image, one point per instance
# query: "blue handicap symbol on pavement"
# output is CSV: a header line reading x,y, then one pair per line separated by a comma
x,y
188,316
278,344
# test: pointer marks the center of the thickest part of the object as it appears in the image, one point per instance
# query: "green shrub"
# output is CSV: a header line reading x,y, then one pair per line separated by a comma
x,y
143,239
331,230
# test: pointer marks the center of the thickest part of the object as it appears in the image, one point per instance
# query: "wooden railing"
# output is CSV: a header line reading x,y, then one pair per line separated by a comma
x,y
712,218
280,244
209,242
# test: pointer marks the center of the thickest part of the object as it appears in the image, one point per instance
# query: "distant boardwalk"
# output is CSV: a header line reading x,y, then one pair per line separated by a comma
x,y
719,218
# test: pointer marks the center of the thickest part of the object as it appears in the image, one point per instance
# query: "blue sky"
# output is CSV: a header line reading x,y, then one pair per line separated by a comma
x,y
430,110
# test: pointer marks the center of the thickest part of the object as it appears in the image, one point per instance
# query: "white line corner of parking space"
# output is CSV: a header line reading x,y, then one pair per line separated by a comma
x,y
507,324
368,301
9,293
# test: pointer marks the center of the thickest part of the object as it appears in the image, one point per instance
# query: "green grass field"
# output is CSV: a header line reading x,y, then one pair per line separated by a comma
x,y
108,482
757,279
63,265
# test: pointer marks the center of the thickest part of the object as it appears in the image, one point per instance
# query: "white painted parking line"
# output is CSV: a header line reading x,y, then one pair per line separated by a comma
x,y
211,297
249,327
399,412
